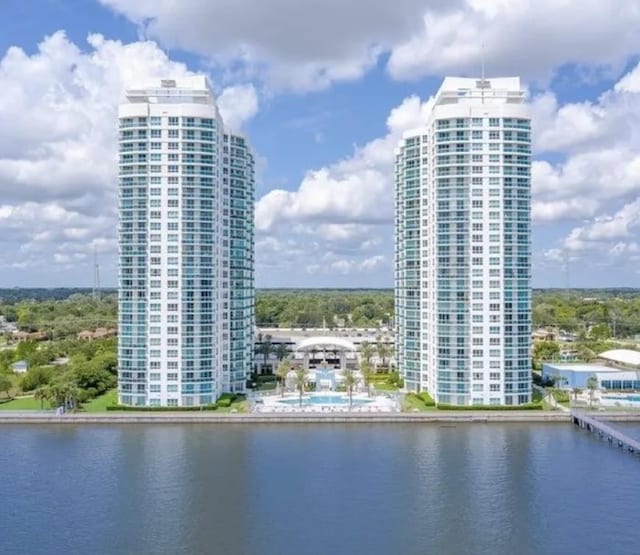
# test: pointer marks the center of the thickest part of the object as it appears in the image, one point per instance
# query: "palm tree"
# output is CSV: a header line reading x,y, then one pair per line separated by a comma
x,y
282,351
576,391
366,351
5,385
300,380
65,393
383,351
282,371
43,393
366,371
592,385
265,348
350,381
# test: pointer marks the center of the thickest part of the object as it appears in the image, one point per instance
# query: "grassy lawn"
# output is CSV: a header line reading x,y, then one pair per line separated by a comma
x,y
23,403
237,406
100,404
412,403
384,386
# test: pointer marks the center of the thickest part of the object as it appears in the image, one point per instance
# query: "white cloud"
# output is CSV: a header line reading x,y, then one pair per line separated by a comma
x,y
355,190
292,44
630,83
58,143
310,45
600,141
520,37
372,262
238,104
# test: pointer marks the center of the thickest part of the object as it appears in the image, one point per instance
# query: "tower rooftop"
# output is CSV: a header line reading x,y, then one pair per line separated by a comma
x,y
463,90
194,89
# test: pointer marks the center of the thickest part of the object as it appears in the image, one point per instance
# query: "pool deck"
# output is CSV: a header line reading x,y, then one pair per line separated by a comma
x,y
461,417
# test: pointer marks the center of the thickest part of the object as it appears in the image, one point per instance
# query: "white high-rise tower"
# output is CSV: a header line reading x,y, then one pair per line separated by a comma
x,y
463,246
186,290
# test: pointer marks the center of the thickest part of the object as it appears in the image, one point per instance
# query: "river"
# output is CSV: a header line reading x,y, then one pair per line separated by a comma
x,y
315,489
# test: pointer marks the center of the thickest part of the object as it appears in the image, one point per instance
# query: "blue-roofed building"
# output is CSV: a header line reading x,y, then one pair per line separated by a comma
x,y
576,375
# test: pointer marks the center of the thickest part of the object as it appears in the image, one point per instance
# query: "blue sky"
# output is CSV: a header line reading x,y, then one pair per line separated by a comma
x,y
323,93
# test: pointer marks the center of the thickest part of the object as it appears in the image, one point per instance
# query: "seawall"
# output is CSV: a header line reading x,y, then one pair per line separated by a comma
x,y
487,417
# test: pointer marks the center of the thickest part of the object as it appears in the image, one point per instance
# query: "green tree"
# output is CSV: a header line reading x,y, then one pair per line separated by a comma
x,y
282,371
592,386
600,332
383,351
367,371
350,381
25,349
65,393
5,384
366,351
545,351
576,391
265,348
585,353
35,377
92,378
300,380
42,394
282,351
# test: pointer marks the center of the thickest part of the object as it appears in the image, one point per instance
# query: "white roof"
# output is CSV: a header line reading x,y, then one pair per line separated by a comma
x,y
622,356
619,375
325,341
582,367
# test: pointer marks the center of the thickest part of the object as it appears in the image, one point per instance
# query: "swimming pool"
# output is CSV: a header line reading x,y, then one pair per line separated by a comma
x,y
633,399
324,400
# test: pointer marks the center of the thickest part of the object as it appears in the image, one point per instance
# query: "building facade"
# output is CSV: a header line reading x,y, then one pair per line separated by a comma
x,y
186,286
463,246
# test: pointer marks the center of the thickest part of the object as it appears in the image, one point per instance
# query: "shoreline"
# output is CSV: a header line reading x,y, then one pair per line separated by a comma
x,y
480,417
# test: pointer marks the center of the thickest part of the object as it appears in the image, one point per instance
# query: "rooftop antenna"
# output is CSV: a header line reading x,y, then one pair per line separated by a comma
x,y
96,275
566,272
482,72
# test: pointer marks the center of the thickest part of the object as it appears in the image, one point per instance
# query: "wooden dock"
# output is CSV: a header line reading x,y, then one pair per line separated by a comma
x,y
605,431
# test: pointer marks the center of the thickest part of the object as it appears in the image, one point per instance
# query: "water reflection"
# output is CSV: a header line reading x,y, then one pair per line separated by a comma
x,y
379,489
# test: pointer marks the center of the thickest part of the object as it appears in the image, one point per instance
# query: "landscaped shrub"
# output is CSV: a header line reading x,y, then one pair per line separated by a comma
x,y
160,409
224,402
561,395
426,399
528,406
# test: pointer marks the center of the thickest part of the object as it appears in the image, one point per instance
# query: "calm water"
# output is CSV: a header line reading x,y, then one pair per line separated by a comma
x,y
316,489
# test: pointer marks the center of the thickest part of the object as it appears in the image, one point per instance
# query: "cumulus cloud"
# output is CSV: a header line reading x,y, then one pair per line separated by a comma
x,y
291,44
349,199
285,42
238,104
346,208
58,144
505,33
355,190
600,144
